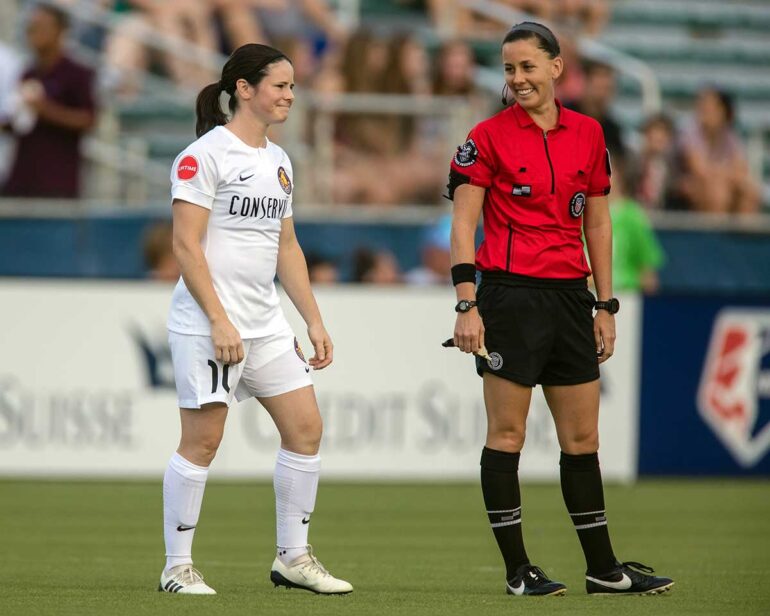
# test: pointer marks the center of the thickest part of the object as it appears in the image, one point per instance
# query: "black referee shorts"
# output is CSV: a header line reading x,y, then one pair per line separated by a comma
x,y
537,330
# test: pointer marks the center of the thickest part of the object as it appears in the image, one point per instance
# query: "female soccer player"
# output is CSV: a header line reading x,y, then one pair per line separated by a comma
x,y
233,231
540,173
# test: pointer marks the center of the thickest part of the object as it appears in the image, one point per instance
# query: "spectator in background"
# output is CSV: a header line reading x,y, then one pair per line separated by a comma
x,y
126,54
656,163
598,94
312,20
454,74
376,267
60,93
436,262
636,253
449,18
358,148
10,71
571,83
587,17
158,252
715,174
410,138
321,269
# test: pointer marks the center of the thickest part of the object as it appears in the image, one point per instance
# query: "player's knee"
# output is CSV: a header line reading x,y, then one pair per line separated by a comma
x,y
206,449
305,435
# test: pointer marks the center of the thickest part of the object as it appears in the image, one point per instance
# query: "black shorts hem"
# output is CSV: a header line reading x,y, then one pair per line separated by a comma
x,y
577,380
514,378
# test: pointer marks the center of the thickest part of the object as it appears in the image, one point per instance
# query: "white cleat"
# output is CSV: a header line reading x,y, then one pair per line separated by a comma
x,y
308,573
185,580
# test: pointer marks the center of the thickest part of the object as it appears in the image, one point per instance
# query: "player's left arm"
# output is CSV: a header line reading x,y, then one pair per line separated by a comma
x,y
292,272
597,228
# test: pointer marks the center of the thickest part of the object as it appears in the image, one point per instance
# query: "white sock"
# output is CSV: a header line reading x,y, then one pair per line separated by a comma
x,y
183,486
296,483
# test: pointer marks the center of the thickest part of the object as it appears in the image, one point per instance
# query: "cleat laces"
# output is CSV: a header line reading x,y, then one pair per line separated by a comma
x,y
314,565
189,576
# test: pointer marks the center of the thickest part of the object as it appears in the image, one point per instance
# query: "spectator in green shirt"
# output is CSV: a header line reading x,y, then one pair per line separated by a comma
x,y
636,253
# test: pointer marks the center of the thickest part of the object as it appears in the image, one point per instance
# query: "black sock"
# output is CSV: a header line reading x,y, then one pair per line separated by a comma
x,y
581,486
500,486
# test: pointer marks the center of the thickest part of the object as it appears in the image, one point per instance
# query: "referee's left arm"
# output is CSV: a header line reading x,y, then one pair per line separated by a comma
x,y
597,227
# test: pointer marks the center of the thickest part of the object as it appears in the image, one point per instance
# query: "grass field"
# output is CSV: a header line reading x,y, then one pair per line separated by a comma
x,y
96,548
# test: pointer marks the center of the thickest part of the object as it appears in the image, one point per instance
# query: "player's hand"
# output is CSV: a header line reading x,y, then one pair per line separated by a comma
x,y
228,346
469,331
322,345
604,334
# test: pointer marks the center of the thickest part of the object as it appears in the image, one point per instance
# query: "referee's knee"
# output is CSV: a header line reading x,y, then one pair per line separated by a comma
x,y
581,443
510,440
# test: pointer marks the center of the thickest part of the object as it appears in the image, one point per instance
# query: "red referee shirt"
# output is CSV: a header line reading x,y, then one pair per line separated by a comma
x,y
537,185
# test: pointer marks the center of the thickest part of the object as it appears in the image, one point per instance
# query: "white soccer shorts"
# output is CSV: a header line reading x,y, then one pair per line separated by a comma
x,y
271,365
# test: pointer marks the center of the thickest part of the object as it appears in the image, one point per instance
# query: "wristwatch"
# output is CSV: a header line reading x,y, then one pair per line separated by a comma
x,y
464,305
612,305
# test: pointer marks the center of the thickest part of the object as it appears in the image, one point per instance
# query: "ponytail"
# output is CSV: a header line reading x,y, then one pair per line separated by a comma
x,y
208,111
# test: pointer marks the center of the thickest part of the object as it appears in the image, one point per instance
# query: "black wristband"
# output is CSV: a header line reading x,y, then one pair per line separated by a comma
x,y
463,272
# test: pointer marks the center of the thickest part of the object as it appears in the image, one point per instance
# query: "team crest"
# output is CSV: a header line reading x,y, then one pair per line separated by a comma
x,y
577,204
495,361
734,392
466,154
284,181
298,349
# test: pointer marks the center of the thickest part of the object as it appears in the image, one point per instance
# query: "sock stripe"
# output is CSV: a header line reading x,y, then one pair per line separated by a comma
x,y
508,523
505,510
592,525
574,515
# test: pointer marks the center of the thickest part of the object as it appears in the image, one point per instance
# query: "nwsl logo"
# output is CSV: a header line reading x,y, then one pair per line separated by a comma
x,y
734,393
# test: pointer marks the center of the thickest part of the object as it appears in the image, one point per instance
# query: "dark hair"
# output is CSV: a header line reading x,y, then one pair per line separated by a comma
x,y
725,100
61,18
249,62
546,40
590,67
364,260
658,119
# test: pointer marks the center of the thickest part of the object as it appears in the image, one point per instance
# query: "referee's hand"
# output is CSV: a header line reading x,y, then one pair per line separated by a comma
x,y
604,334
469,331
228,346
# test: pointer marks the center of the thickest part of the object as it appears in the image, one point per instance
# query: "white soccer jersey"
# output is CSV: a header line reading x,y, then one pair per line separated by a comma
x,y
248,191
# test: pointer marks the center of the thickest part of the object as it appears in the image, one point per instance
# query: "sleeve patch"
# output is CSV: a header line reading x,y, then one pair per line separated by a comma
x,y
187,168
466,154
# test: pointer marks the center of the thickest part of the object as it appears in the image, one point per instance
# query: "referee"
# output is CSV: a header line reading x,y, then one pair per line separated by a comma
x,y
540,174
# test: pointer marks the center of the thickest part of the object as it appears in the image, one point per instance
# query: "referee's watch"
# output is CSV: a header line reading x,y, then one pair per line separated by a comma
x,y
612,305
465,305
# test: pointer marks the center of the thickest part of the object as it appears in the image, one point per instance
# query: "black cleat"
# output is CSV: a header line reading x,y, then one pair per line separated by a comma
x,y
624,580
531,580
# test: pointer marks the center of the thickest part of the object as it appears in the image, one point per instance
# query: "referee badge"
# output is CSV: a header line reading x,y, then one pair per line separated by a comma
x,y
466,154
577,204
284,181
495,361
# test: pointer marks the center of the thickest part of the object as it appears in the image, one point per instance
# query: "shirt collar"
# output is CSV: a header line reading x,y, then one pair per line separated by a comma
x,y
525,120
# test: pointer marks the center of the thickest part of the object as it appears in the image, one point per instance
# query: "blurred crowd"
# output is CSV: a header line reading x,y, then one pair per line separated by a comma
x,y
48,103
